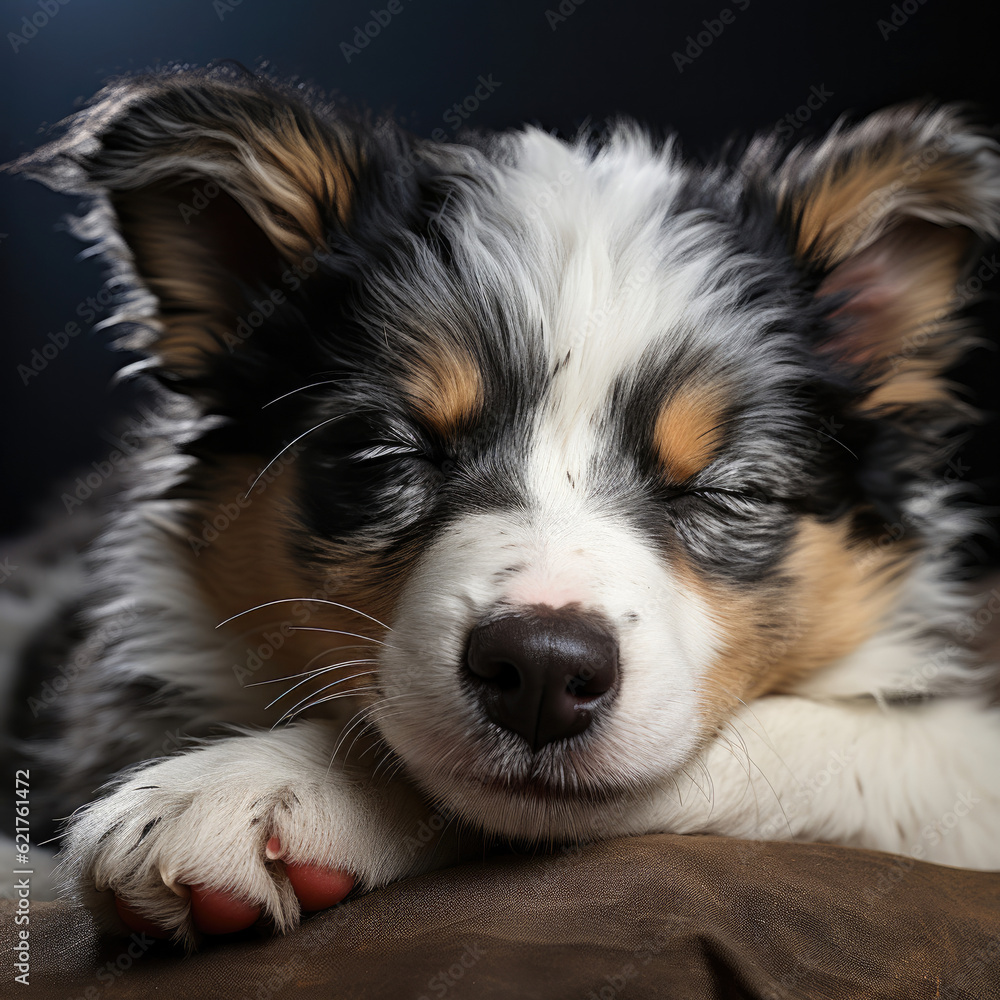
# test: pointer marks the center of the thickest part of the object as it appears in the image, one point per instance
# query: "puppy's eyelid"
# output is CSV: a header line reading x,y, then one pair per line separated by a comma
x,y
384,451
748,493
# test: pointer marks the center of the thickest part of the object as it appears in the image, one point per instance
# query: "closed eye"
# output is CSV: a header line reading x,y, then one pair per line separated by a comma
x,y
730,499
377,451
726,492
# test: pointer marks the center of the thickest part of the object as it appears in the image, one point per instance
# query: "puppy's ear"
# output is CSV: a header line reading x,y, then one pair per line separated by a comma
x,y
888,215
204,185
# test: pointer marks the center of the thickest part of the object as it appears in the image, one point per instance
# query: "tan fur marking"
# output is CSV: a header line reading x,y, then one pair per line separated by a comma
x,y
183,274
445,388
251,562
888,215
776,636
898,318
688,431
844,210
302,176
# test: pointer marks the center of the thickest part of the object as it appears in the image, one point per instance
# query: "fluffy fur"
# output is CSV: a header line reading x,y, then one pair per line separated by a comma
x,y
404,390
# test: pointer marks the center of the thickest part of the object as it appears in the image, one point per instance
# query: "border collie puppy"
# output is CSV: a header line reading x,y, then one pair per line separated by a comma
x,y
543,490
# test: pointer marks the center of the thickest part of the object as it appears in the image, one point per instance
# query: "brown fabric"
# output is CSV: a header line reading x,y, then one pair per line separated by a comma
x,y
665,917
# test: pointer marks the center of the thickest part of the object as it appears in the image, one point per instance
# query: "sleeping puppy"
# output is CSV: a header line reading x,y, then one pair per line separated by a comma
x,y
517,490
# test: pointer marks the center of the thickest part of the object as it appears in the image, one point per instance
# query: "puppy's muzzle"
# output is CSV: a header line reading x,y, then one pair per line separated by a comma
x,y
543,673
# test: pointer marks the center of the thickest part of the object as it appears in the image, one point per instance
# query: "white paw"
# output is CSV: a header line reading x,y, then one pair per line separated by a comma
x,y
240,820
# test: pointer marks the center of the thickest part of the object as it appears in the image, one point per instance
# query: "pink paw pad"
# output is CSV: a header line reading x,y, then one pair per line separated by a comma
x,y
215,911
316,887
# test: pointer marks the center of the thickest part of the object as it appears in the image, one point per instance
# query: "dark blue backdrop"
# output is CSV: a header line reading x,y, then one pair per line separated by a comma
x,y
688,66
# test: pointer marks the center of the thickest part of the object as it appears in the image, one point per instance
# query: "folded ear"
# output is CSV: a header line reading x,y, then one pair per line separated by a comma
x,y
204,185
888,215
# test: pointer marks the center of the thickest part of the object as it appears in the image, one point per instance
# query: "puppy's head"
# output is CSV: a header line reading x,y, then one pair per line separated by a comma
x,y
608,442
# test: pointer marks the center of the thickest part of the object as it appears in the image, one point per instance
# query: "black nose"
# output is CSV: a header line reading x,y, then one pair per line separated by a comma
x,y
542,673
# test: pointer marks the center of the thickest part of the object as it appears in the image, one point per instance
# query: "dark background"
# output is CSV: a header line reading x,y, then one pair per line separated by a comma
x,y
591,61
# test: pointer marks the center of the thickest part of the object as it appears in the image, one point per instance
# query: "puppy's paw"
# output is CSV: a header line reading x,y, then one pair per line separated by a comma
x,y
251,828
173,861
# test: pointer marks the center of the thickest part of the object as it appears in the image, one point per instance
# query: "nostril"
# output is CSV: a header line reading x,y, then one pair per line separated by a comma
x,y
501,673
584,688
598,675
507,677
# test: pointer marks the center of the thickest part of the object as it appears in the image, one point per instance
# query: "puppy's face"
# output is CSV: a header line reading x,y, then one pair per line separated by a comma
x,y
636,479
604,440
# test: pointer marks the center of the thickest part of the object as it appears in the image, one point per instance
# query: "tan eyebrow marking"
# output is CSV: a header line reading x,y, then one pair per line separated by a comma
x,y
688,431
445,387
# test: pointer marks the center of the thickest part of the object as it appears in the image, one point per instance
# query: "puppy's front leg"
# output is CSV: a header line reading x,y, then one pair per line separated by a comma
x,y
917,779
232,815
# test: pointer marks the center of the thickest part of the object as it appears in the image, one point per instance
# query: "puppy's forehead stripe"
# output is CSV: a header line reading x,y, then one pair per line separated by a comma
x,y
689,430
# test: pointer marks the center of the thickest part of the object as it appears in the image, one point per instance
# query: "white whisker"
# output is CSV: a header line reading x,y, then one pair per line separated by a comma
x,y
296,710
319,673
335,631
331,650
359,717
294,441
302,388
309,600
311,673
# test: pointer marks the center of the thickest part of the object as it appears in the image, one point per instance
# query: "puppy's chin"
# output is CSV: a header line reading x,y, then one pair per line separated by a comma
x,y
494,781
533,808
